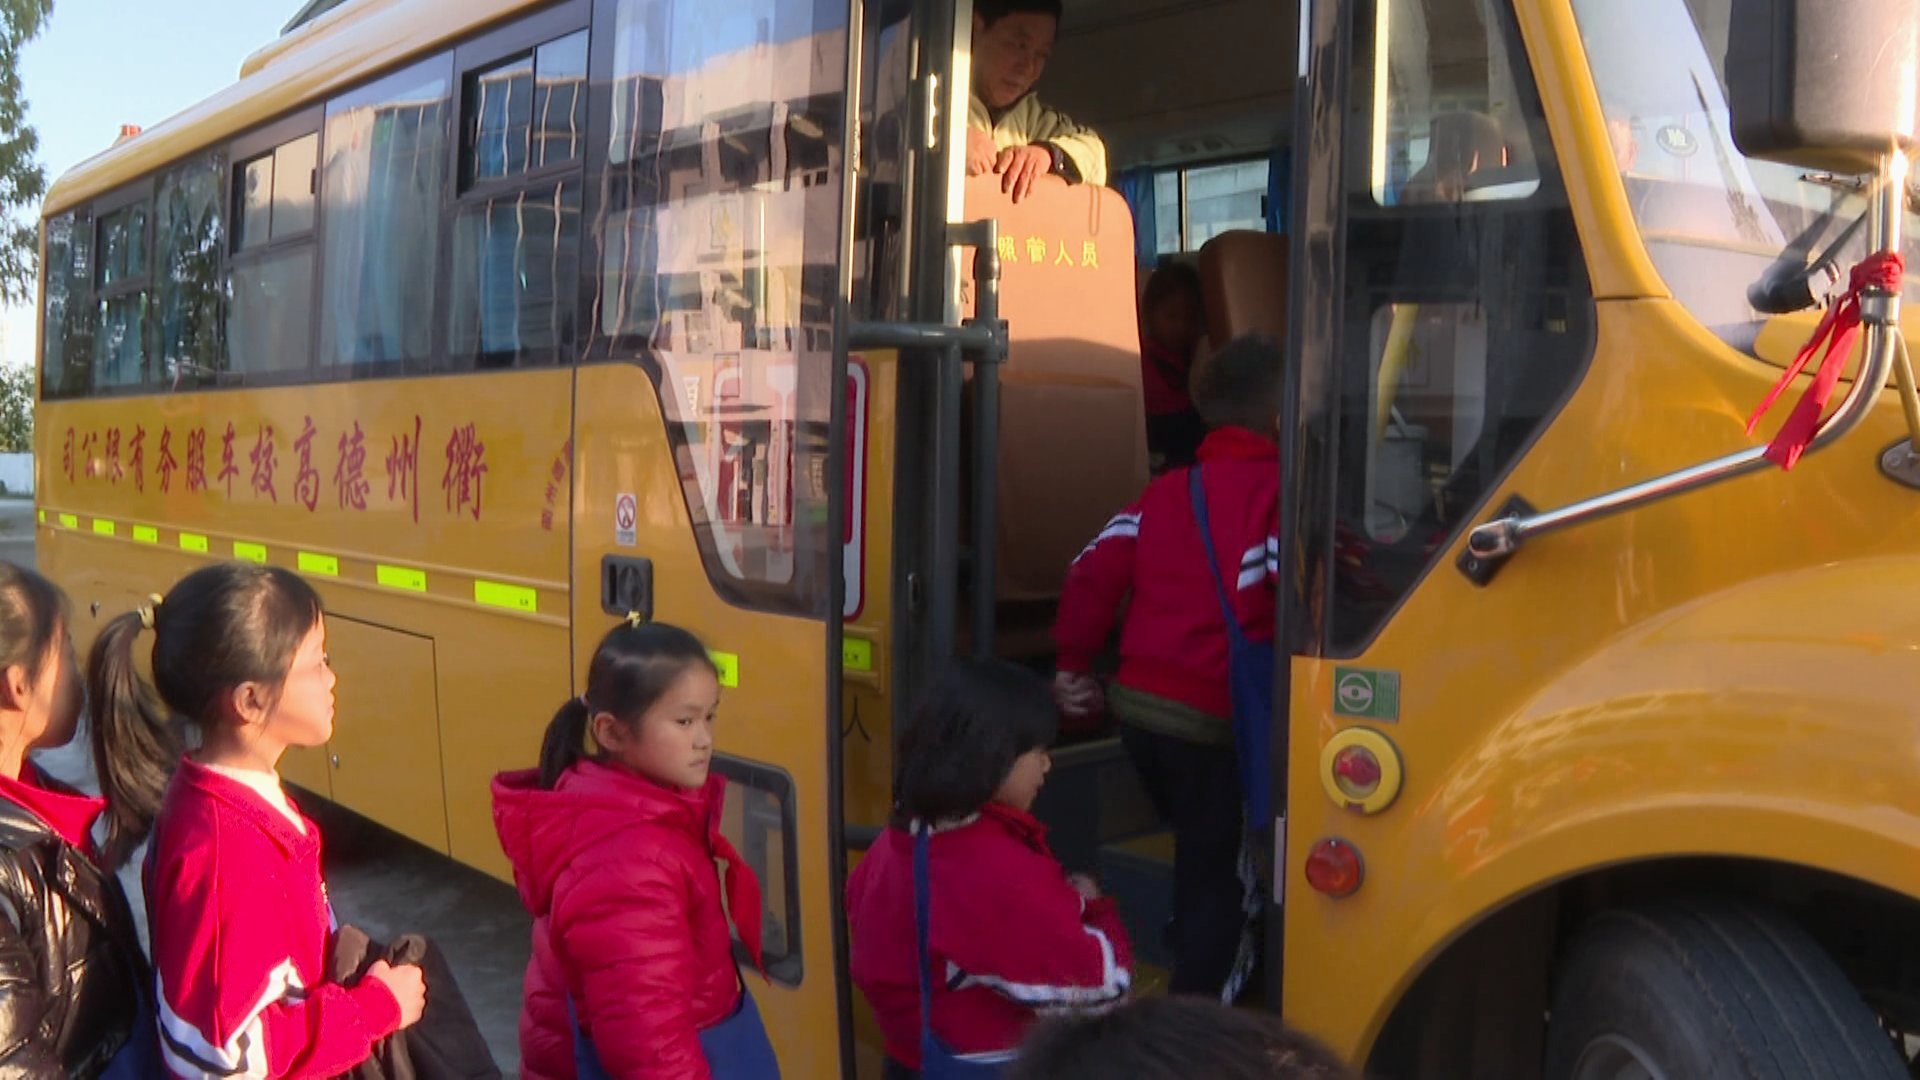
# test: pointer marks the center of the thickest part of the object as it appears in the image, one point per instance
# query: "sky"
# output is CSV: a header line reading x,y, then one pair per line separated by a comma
x,y
98,64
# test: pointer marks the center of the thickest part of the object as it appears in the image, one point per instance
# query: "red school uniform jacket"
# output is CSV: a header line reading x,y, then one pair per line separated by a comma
x,y
619,875
1009,936
241,927
1174,644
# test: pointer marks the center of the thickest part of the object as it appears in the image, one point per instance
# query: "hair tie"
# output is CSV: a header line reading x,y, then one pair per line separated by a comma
x,y
585,704
146,611
634,619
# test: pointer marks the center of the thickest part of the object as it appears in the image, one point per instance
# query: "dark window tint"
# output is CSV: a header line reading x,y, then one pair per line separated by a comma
x,y
1466,316
499,120
123,246
515,260
381,184
560,101
66,362
189,289
526,113
120,345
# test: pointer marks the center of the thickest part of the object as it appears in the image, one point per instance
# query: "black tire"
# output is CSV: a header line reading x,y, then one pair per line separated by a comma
x,y
1712,990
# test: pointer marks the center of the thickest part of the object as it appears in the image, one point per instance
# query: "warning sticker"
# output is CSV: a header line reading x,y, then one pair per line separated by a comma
x,y
626,520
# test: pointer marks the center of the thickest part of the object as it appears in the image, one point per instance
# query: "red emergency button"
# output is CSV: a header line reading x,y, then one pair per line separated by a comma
x,y
1361,770
1358,771
1333,868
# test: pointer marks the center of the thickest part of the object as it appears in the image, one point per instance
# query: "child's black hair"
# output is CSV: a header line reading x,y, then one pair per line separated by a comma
x,y
1239,386
632,667
992,11
220,627
1171,1039
32,611
1171,279
974,720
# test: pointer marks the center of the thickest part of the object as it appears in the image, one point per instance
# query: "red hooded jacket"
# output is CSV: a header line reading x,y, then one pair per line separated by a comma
x,y
1009,936
619,875
1174,644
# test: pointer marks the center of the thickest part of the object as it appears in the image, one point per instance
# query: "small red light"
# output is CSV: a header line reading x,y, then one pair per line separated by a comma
x,y
1359,770
1333,868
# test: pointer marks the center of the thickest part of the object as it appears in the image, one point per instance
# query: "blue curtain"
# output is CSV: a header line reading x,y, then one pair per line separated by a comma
x,y
1279,189
1136,186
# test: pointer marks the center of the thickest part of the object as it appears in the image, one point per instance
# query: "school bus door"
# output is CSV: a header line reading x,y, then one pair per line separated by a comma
x,y
708,453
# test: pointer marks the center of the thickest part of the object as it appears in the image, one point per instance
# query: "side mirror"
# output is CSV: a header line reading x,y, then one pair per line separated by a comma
x,y
1824,84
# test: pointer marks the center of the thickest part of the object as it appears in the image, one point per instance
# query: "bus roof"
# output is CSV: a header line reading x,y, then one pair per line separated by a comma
x,y
335,51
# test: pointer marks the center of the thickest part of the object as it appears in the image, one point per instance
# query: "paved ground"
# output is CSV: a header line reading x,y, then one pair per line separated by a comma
x,y
379,881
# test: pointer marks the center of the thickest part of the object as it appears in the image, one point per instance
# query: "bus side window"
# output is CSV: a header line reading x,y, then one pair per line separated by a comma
x,y
190,343
66,364
516,234
120,347
270,317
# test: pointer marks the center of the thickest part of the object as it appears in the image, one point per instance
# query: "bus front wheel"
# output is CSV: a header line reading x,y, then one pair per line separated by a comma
x,y
1707,990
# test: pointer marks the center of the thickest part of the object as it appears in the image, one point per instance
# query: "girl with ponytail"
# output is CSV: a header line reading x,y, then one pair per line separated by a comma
x,y
241,927
614,853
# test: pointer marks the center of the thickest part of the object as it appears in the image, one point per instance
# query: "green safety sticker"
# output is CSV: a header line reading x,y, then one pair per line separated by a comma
x,y
253,553
1366,693
324,565
146,534
856,654
193,542
43,516
69,521
728,666
511,597
400,577
103,527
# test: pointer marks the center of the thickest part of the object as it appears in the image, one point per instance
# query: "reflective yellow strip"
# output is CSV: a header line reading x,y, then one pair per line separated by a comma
x,y
193,542
146,534
856,654
325,565
102,527
727,665
69,521
43,516
511,597
253,553
399,577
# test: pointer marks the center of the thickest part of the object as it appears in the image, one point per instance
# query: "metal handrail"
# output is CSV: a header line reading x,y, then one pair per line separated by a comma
x,y
1879,310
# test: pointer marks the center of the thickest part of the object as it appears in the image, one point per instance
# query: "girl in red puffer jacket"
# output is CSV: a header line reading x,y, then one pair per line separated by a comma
x,y
614,854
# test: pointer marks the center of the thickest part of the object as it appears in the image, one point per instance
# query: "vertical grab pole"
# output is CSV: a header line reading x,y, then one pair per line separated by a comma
x,y
986,433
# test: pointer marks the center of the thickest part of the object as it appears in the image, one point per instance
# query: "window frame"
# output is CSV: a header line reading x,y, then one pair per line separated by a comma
x,y
260,142
221,153
788,969
1180,172
83,224
121,199
478,54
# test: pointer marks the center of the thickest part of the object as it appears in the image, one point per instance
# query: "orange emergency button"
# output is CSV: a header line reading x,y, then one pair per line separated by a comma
x,y
1361,770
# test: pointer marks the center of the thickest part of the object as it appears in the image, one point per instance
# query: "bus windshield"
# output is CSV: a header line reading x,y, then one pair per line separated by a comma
x,y
1714,221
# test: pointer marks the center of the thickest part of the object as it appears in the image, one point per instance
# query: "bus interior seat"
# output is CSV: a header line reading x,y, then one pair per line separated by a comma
x,y
1243,284
1073,443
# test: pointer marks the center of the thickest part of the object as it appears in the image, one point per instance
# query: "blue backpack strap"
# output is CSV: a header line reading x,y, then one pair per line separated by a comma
x,y
1198,496
922,915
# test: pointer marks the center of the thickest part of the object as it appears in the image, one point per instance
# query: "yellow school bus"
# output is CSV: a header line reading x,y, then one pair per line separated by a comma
x,y
501,320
